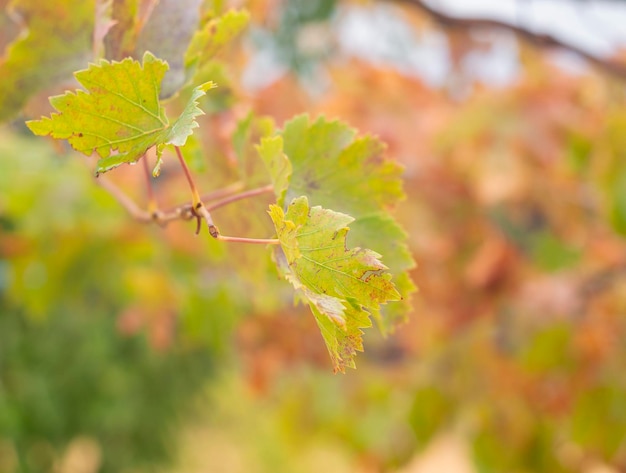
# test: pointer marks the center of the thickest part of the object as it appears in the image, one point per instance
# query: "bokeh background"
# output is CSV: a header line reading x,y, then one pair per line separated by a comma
x,y
128,348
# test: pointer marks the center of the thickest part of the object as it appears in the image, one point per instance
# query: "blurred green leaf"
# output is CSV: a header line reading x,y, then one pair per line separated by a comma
x,y
598,419
213,36
617,200
56,41
550,350
551,254
430,412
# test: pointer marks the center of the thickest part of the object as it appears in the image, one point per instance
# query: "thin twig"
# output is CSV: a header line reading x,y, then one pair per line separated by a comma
x,y
216,194
197,209
153,207
224,191
240,196
254,241
541,40
194,191
183,212
131,207
202,212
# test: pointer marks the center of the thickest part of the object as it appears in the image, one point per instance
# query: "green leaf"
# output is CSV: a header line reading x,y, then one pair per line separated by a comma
x,y
337,169
616,190
593,410
340,322
214,35
56,40
278,165
184,125
248,131
342,340
192,38
314,243
241,136
119,112
338,283
551,253
332,164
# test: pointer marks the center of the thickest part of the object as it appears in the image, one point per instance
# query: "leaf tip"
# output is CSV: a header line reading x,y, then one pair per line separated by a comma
x,y
207,86
38,127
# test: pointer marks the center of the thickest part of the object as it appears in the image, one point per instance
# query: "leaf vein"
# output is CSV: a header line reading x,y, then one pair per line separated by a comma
x,y
123,97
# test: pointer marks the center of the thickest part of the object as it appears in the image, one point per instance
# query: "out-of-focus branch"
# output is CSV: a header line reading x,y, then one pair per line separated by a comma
x,y
182,212
540,40
242,195
189,211
598,283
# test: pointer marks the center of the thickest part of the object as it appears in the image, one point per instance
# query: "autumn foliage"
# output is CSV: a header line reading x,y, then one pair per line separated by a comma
x,y
515,212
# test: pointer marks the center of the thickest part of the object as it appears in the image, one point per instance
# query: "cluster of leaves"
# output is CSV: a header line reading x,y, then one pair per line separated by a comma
x,y
120,117
338,283
514,204
515,211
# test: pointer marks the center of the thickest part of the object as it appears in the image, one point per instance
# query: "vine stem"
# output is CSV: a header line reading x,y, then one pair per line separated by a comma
x,y
153,207
242,195
201,211
122,198
198,207
215,195
194,190
223,192
254,241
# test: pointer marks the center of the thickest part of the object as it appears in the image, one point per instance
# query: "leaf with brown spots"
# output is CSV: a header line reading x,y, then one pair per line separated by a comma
x,y
340,284
336,168
120,111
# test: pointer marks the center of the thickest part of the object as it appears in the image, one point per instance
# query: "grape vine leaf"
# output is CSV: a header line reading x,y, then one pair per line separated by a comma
x,y
193,37
337,169
248,131
119,112
55,40
341,285
214,35
271,151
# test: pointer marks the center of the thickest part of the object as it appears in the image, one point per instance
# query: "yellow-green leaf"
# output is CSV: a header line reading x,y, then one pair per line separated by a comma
x,y
340,284
314,242
336,168
278,165
214,35
119,116
340,322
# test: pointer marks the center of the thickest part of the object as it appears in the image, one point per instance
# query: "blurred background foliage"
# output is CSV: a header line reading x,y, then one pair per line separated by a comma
x,y
130,348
